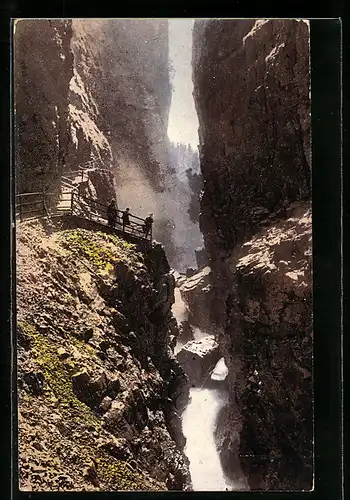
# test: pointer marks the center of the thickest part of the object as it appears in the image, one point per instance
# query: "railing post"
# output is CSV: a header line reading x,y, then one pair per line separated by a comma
x,y
72,203
20,209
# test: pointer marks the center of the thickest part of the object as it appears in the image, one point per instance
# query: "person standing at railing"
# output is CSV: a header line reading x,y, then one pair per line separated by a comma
x,y
147,227
112,213
126,218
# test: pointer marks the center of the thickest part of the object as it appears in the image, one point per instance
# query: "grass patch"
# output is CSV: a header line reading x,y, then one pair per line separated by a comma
x,y
90,245
118,472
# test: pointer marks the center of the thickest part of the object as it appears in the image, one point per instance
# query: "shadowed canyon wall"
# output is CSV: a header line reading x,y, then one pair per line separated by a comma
x,y
251,89
97,93
43,68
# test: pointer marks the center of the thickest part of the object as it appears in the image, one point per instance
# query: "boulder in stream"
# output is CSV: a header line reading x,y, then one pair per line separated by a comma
x,y
198,357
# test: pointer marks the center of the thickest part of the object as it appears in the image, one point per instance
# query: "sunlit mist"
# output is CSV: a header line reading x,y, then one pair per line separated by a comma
x,y
183,121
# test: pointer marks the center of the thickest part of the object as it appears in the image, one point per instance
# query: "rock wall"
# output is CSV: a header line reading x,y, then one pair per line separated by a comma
x,y
124,66
254,125
58,126
43,68
98,384
251,92
94,93
268,346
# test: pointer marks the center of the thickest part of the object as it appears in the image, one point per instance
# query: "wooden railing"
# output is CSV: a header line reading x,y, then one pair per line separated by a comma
x,y
33,205
39,204
93,209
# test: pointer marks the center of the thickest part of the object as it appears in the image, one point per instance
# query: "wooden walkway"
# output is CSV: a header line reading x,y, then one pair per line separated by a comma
x,y
71,202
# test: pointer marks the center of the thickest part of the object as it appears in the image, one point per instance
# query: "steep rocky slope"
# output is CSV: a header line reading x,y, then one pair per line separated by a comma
x,y
97,380
268,346
252,97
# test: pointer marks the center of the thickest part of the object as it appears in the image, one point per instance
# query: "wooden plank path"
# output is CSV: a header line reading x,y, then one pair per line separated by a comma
x,y
71,202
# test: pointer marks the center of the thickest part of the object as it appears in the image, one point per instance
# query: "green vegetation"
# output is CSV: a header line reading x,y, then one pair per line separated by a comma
x,y
114,474
97,249
121,473
58,379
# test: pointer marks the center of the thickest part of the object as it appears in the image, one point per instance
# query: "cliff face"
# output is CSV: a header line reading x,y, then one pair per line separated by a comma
x,y
43,68
58,126
97,380
92,93
268,345
252,97
124,65
254,124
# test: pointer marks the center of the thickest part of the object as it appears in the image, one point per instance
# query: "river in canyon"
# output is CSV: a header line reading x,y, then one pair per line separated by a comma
x,y
199,420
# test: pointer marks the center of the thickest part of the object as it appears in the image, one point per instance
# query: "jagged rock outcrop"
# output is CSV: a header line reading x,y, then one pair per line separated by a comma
x,y
268,345
252,97
98,383
196,292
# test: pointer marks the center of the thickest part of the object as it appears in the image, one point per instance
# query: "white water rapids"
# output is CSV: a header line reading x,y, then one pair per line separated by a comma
x,y
198,424
199,420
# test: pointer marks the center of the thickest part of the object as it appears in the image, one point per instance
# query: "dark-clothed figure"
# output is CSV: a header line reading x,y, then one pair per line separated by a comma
x,y
112,213
126,218
148,225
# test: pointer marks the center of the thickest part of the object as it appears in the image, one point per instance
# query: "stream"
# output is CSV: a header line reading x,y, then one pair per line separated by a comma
x,y
199,418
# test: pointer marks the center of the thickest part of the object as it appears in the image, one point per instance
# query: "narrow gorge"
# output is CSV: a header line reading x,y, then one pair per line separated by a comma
x,y
184,363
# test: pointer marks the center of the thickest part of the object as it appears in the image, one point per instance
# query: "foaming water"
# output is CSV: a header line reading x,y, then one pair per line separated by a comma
x,y
198,423
199,420
179,308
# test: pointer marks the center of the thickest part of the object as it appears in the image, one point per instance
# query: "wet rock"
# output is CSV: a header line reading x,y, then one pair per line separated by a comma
x,y
201,257
198,357
220,371
190,272
175,427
